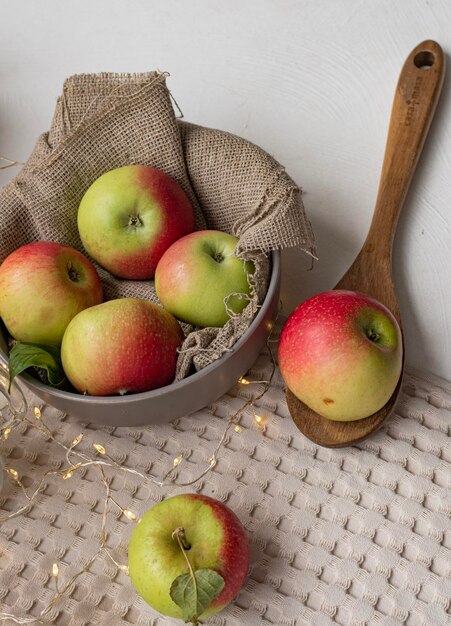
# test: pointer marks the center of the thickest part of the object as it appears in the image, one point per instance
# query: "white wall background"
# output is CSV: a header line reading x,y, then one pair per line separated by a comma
x,y
311,81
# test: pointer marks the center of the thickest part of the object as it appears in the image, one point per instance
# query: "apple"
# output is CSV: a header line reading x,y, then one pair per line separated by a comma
x,y
129,216
198,273
120,346
213,538
43,285
340,353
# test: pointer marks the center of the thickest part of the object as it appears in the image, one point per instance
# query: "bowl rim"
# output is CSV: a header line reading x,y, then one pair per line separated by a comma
x,y
180,384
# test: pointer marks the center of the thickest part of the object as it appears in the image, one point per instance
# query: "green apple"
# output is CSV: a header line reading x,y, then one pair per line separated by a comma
x,y
121,346
213,539
43,285
196,276
129,216
341,353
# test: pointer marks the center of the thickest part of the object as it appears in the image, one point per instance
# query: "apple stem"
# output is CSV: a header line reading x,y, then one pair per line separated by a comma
x,y
72,272
179,535
373,335
135,220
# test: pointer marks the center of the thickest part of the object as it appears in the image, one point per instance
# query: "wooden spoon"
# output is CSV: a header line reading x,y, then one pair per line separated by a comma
x,y
414,105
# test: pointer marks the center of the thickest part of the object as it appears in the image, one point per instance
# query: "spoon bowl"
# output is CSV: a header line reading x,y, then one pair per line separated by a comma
x,y
414,104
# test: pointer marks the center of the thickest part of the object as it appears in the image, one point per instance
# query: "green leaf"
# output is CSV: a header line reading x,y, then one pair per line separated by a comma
x,y
25,355
194,596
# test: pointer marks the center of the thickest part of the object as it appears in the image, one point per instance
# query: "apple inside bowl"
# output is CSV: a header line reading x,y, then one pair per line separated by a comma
x,y
177,399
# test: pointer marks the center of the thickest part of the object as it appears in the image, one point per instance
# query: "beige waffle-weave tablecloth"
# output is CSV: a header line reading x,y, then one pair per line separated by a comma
x,y
354,536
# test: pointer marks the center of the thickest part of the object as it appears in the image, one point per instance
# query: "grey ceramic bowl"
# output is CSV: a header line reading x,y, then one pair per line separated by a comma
x,y
180,398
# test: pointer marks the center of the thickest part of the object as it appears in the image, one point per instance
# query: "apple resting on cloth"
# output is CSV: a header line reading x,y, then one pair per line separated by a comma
x,y
121,346
340,353
194,528
43,285
129,216
197,275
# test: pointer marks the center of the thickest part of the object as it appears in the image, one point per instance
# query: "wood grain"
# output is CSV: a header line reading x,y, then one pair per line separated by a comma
x,y
414,104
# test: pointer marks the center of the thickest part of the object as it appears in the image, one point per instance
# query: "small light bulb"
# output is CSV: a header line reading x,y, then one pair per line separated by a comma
x,y
100,449
67,475
131,516
55,570
77,440
260,421
124,568
244,381
212,461
238,428
6,433
177,460
37,412
12,472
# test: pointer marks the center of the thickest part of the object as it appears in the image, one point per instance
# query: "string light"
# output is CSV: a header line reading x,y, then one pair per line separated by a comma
x,y
77,440
84,461
130,515
70,471
260,421
245,381
178,459
55,574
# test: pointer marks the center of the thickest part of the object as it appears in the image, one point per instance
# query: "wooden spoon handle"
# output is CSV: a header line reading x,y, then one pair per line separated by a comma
x,y
416,97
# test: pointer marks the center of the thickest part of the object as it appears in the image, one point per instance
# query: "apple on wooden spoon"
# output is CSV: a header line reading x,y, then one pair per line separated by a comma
x,y
340,353
188,556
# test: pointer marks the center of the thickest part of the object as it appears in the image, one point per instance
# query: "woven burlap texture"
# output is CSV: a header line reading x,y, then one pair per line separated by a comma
x,y
103,121
357,537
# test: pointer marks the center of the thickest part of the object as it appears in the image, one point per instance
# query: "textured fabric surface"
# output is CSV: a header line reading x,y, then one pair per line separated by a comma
x,y
356,536
104,121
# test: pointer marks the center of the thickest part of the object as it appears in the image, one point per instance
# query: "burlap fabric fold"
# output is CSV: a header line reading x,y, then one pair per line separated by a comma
x,y
104,121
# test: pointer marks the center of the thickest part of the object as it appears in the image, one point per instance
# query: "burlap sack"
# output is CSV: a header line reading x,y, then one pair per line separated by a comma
x,y
104,121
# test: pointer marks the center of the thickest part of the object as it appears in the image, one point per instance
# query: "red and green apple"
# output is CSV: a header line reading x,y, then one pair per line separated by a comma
x,y
129,216
340,353
43,285
213,539
199,274
121,346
